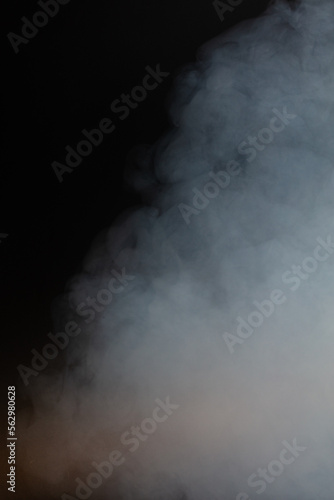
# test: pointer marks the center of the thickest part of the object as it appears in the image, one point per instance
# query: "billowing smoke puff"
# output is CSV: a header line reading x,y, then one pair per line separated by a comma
x,y
208,364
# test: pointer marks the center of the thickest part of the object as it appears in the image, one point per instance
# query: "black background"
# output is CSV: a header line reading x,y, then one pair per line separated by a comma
x,y
63,80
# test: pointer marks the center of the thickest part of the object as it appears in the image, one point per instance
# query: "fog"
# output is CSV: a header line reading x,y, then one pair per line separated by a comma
x,y
225,299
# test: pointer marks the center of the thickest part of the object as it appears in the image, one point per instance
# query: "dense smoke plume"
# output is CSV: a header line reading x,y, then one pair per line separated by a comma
x,y
226,304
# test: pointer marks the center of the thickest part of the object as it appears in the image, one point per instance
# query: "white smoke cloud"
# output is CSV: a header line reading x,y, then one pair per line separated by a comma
x,y
163,336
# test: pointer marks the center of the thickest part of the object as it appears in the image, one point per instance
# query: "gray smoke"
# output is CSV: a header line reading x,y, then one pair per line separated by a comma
x,y
227,308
